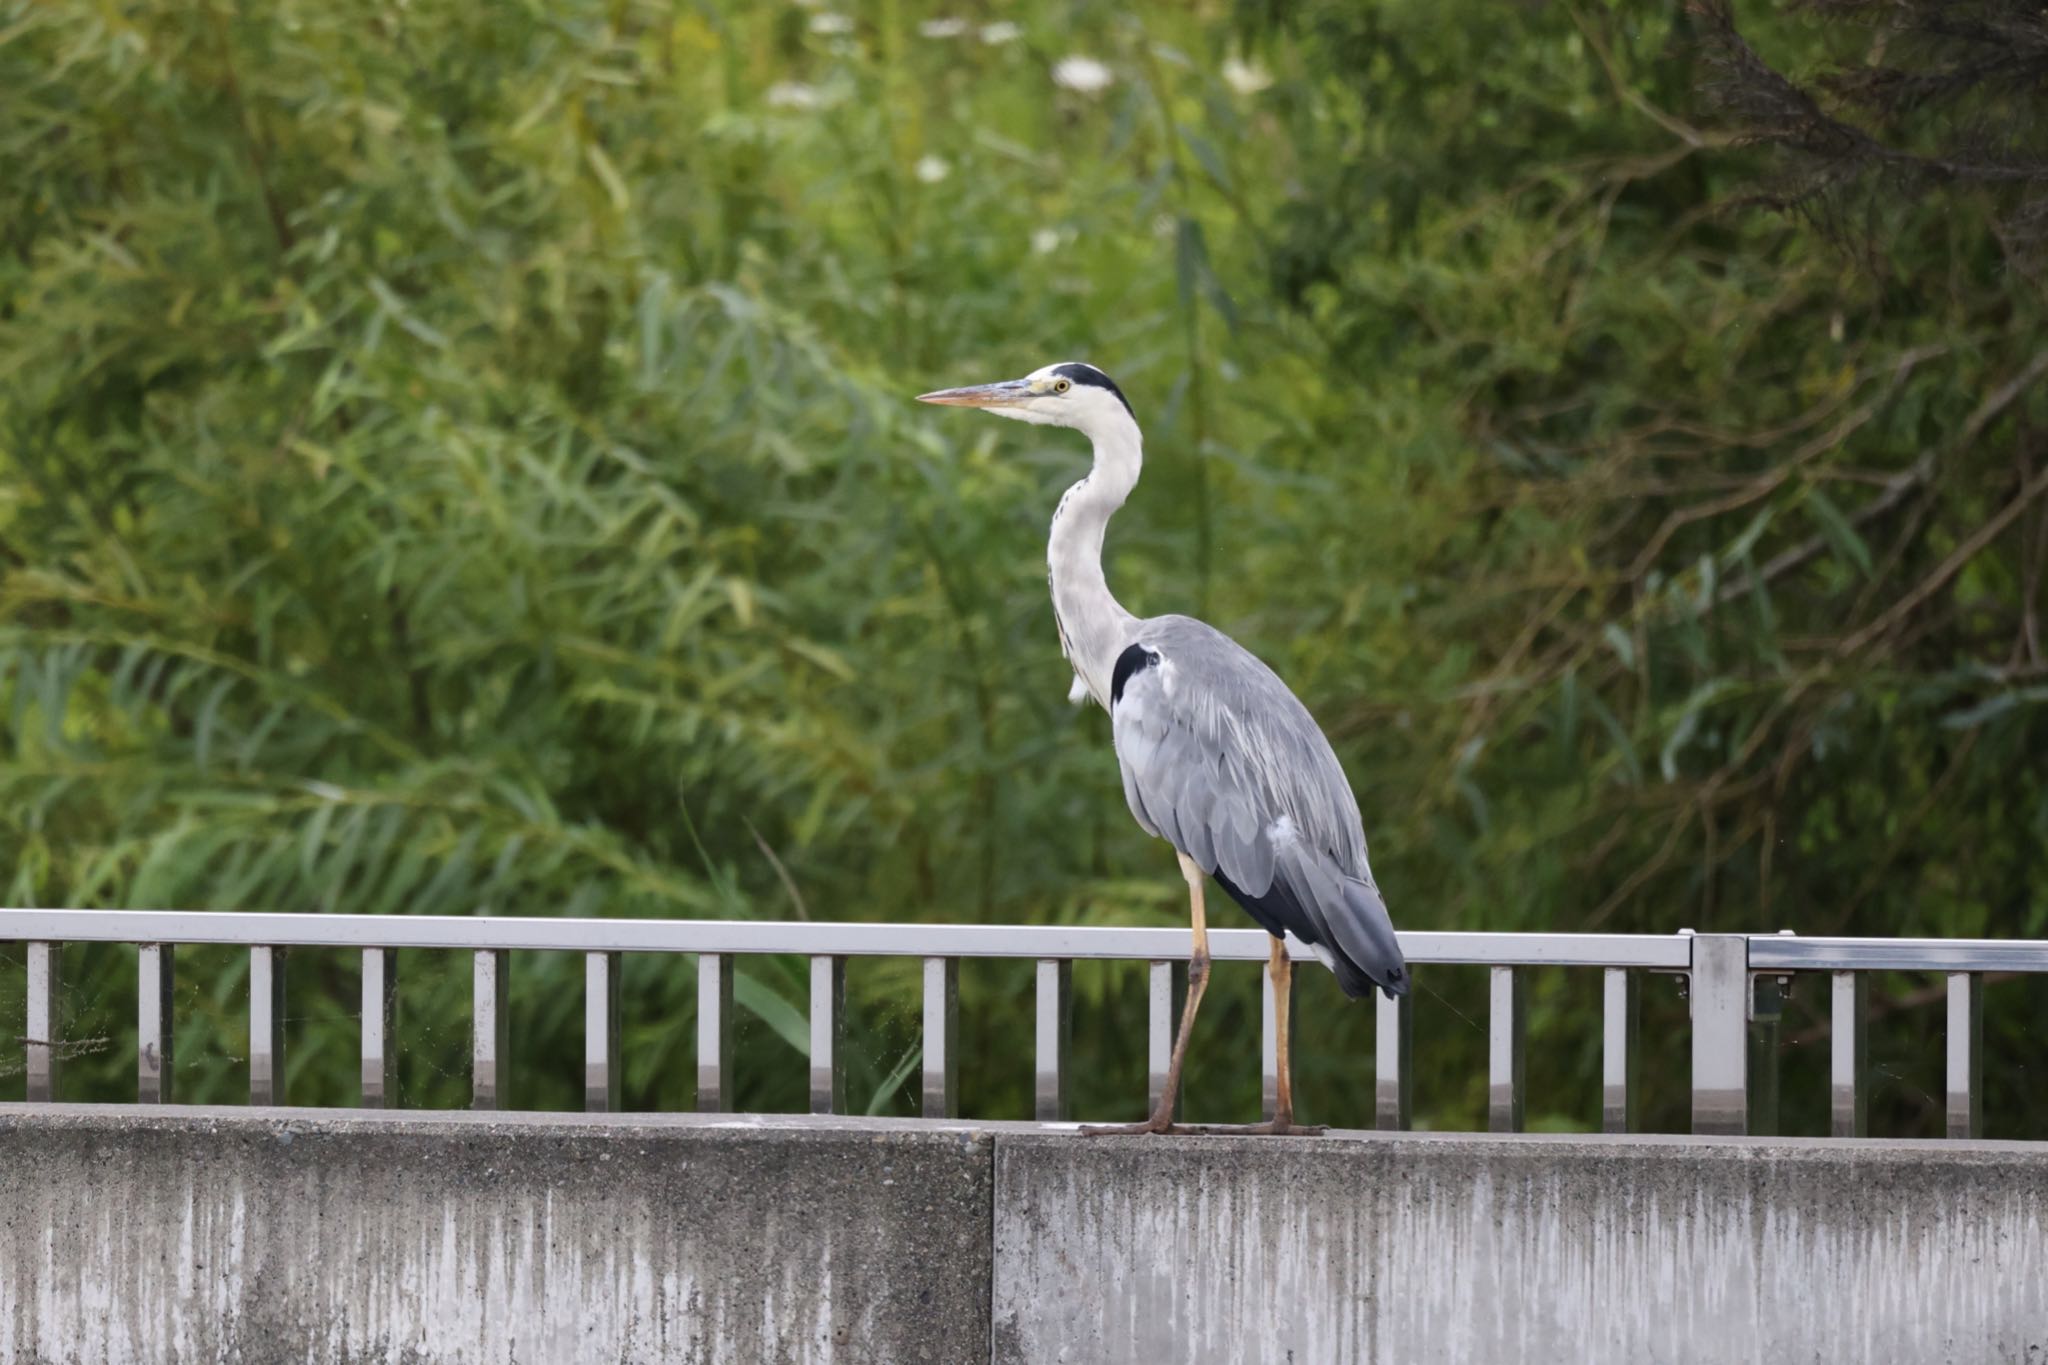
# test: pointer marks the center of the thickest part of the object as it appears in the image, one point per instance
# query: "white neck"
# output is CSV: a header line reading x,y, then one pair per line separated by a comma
x,y
1094,627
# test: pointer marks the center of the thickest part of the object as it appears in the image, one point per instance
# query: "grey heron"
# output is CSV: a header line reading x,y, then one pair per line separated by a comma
x,y
1219,758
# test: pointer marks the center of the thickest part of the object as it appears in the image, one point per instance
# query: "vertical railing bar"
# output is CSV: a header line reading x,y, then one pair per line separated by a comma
x,y
1506,1050
1269,1047
1719,992
266,1024
1166,990
1619,1052
714,1033
380,1028
1393,1060
156,986
601,1063
941,1038
1965,1055
828,1029
1849,1061
1054,1038
45,994
490,1029
1766,996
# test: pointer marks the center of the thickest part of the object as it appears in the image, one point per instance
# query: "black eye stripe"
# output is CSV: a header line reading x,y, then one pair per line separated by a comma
x,y
1088,374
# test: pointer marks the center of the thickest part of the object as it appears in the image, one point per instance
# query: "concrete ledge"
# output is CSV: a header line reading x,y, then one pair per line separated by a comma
x,y
174,1234
129,1234
1475,1248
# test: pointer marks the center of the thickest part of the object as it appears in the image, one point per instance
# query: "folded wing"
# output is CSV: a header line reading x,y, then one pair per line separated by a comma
x,y
1222,761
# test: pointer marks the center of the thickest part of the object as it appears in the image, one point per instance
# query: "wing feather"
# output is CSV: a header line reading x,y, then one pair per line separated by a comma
x,y
1221,760
1211,730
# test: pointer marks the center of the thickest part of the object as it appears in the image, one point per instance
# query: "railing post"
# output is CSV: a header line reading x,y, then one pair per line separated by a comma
x,y
1506,1050
941,1037
1848,1061
1965,1055
714,1033
828,1031
1393,1060
1054,1035
1166,991
490,1029
1619,1055
45,992
155,985
1767,1009
266,1025
1720,1033
601,1061
380,1028
1269,1045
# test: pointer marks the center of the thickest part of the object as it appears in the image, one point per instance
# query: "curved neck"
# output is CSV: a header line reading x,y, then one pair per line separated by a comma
x,y
1094,627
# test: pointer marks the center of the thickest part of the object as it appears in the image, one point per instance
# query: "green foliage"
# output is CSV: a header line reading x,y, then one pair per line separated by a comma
x,y
457,460
1733,535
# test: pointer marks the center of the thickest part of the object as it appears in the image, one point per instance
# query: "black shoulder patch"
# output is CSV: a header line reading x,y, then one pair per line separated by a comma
x,y
1135,659
1088,374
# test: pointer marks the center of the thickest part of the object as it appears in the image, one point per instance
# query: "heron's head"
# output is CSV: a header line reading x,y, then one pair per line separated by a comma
x,y
1069,394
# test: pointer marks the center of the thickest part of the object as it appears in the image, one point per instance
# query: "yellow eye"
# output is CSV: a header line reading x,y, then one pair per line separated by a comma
x,y
1061,385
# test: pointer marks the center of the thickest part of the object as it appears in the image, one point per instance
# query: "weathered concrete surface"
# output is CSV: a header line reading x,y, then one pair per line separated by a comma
x,y
131,1234
1417,1249
146,1234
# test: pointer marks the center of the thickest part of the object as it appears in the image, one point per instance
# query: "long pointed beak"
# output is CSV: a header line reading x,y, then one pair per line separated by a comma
x,y
981,395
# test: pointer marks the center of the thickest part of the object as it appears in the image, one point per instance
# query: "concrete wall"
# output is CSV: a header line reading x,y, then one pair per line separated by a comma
x,y
295,1235
1442,1249
260,1235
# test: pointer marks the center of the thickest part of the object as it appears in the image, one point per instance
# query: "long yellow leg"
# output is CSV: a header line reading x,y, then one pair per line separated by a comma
x,y
1198,980
1281,968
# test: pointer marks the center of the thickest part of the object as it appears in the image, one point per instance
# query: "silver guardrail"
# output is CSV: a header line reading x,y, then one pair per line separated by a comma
x,y
1734,982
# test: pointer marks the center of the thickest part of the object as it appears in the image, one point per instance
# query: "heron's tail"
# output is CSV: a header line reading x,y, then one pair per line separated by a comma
x,y
1346,919
1342,918
1363,937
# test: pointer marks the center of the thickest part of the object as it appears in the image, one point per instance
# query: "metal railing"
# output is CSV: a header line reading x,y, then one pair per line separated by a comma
x,y
1735,983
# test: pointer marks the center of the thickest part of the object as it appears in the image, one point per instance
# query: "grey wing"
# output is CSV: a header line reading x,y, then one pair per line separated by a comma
x,y
1222,761
1209,728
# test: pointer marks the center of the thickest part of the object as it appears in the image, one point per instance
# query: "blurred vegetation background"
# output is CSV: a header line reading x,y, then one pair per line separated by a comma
x,y
458,459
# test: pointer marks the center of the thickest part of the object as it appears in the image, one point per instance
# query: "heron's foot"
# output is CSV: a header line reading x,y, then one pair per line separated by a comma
x,y
1270,1128
1157,1124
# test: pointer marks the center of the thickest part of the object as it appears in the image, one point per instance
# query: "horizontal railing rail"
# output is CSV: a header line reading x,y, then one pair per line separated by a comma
x,y
1784,952
1735,983
799,937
